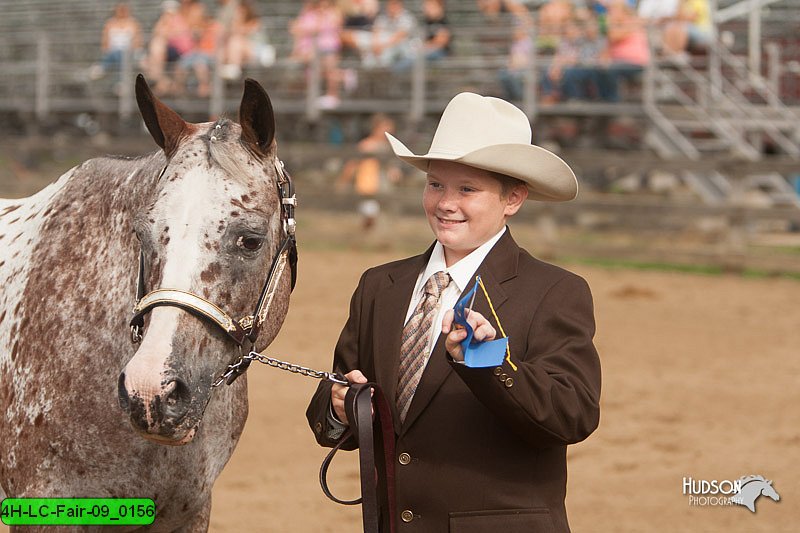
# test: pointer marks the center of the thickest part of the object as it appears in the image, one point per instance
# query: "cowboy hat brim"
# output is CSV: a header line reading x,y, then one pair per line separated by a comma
x,y
547,176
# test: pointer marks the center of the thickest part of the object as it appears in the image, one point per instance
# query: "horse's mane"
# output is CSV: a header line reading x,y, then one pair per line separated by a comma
x,y
224,153
747,479
118,157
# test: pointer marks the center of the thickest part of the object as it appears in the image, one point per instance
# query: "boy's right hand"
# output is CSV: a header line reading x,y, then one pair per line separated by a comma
x,y
338,393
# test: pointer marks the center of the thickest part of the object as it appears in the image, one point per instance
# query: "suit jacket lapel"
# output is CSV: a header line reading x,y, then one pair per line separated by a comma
x,y
499,266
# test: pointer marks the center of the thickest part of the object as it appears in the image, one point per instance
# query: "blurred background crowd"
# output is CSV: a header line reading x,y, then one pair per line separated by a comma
x,y
685,108
590,46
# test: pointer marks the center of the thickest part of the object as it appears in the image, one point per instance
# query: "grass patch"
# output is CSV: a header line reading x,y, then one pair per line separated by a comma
x,y
709,270
705,270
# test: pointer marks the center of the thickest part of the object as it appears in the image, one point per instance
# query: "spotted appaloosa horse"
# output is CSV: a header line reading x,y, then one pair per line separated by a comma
x,y
209,224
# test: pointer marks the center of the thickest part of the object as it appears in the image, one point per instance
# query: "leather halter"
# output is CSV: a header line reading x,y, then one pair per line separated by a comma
x,y
247,328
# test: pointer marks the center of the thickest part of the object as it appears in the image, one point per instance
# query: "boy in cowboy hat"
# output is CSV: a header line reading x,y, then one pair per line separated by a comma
x,y
478,449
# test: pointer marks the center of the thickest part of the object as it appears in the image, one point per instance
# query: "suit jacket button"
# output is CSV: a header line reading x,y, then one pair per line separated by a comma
x,y
404,458
509,383
498,370
407,516
318,427
503,377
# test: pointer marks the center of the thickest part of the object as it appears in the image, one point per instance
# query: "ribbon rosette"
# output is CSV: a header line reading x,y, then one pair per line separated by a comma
x,y
477,354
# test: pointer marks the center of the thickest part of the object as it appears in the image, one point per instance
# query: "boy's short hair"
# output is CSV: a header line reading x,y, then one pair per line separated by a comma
x,y
507,183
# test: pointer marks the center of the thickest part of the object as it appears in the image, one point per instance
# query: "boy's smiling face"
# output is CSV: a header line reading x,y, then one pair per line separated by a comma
x,y
466,206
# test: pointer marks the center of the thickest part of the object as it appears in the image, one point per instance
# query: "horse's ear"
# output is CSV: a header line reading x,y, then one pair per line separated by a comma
x,y
164,124
256,117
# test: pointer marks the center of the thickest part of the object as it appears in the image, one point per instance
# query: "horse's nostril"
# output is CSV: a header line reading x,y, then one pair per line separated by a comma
x,y
176,397
122,393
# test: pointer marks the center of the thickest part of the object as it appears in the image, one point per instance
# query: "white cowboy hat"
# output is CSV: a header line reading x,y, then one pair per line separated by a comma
x,y
495,135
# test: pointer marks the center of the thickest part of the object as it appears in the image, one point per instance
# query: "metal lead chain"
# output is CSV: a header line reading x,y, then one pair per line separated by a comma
x,y
334,377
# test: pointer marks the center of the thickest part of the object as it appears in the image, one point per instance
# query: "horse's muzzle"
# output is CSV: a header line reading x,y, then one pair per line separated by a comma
x,y
162,415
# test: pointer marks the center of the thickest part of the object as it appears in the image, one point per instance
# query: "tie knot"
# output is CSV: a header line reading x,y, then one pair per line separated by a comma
x,y
437,283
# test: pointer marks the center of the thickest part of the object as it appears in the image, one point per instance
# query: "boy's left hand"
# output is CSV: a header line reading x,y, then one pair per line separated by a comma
x,y
483,331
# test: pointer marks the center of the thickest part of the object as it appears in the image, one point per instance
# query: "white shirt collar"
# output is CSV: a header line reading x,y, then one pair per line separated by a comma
x,y
461,272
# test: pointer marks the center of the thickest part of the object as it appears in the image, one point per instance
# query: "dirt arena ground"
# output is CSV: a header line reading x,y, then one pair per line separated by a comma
x,y
701,378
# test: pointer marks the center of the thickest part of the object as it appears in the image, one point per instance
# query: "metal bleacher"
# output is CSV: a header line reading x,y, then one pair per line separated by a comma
x,y
732,101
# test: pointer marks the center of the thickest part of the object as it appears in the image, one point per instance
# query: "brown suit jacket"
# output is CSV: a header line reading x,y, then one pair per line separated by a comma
x,y
487,454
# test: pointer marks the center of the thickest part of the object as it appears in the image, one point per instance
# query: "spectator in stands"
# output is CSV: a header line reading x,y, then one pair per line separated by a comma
x,y
390,42
246,43
567,55
173,37
121,35
628,48
492,9
317,34
691,31
200,59
435,35
370,173
437,32
583,80
512,77
553,19
359,15
658,10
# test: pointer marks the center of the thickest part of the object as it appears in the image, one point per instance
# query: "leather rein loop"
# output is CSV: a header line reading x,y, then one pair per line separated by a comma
x,y
377,477
246,329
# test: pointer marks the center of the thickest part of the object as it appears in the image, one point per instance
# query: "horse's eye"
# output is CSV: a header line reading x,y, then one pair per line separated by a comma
x,y
250,243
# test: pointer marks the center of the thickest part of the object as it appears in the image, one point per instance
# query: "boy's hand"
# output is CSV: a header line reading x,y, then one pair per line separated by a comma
x,y
338,393
483,331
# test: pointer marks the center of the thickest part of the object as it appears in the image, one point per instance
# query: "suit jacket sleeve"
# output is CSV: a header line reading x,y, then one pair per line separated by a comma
x,y
345,359
554,395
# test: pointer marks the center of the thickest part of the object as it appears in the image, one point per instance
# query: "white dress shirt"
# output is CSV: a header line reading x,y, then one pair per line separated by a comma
x,y
462,274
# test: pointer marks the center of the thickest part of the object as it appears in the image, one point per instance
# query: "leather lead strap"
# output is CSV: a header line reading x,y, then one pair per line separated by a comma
x,y
358,406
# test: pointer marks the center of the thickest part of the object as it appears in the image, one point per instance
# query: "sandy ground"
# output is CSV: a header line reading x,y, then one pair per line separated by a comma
x,y
701,378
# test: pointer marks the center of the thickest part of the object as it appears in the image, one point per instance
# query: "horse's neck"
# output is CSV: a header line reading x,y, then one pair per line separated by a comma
x,y
65,236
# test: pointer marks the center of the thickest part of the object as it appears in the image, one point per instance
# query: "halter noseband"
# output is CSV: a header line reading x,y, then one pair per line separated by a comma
x,y
247,328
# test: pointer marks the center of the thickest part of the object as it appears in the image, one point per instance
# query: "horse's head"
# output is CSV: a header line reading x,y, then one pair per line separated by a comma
x,y
768,490
211,231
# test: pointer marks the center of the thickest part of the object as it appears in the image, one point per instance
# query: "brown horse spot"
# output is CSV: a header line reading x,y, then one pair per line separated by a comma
x,y
10,208
17,237
14,350
2,317
245,198
211,273
14,221
234,213
31,216
38,420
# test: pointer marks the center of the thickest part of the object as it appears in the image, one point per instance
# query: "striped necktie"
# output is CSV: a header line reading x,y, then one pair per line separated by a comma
x,y
414,344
